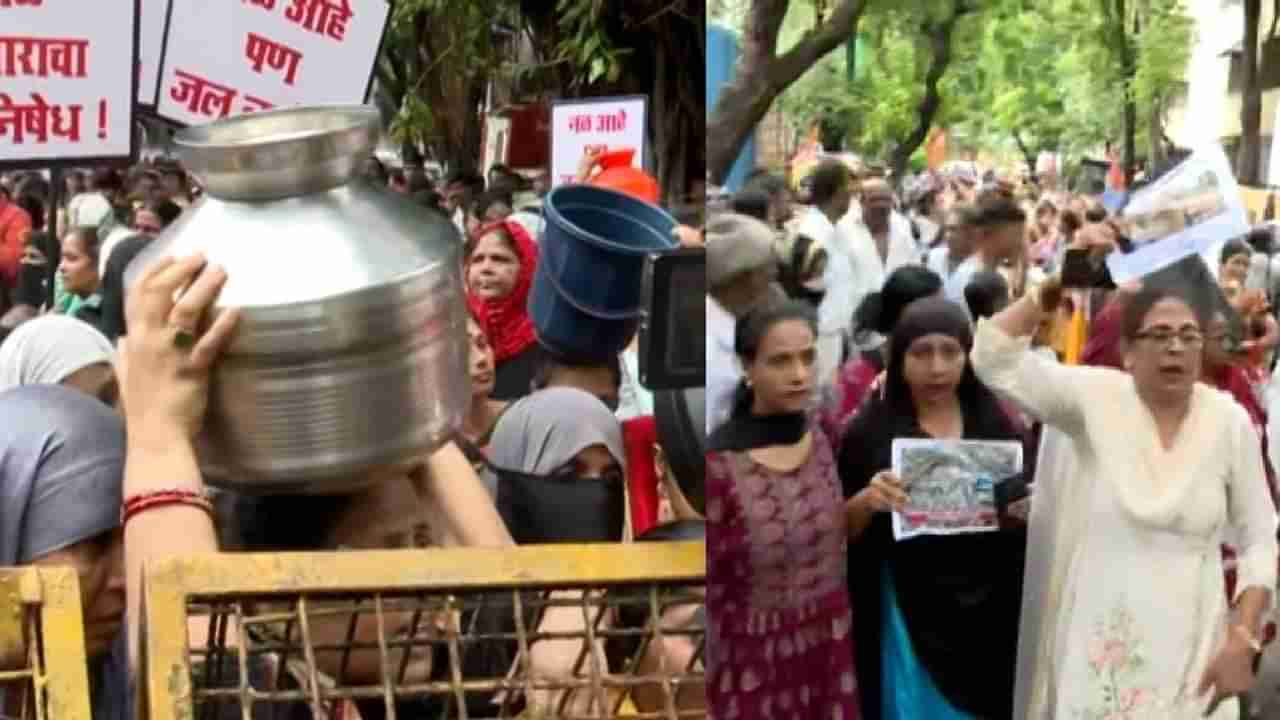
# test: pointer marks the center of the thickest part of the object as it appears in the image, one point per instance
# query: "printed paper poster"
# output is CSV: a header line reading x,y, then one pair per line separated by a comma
x,y
1189,210
951,484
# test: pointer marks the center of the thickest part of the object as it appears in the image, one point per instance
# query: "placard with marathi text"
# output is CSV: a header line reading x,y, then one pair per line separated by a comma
x,y
580,125
223,58
67,81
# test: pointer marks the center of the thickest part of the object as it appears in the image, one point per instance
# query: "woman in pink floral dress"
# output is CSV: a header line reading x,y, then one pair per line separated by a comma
x,y
778,611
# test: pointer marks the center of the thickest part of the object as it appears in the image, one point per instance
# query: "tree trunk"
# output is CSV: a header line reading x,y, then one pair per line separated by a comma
x,y
761,75
1155,132
1027,157
1249,160
939,36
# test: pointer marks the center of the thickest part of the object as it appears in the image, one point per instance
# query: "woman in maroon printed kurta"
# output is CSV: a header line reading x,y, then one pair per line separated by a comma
x,y
777,599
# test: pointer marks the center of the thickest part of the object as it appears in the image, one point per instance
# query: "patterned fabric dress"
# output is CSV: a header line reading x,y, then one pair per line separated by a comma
x,y
777,599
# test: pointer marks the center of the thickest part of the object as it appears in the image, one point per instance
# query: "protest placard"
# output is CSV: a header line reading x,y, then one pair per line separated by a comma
x,y
67,81
1191,209
950,484
153,14
610,123
223,58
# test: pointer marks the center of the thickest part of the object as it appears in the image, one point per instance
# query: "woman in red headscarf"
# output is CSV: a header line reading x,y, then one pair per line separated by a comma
x,y
500,260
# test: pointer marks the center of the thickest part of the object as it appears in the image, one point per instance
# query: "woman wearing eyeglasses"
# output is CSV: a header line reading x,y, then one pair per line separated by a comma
x,y
1163,467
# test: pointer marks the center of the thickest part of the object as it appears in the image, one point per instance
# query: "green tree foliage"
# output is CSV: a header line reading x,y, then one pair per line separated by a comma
x,y
1025,75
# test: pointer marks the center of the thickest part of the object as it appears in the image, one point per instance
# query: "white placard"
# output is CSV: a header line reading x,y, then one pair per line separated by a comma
x,y
223,58
611,123
1190,209
153,15
67,80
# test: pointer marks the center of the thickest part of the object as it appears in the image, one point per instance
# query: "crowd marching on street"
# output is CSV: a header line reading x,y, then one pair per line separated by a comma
x,y
956,469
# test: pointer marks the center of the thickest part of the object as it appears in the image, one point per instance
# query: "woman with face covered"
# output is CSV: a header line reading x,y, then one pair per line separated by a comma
x,y
777,603
62,458
1163,467
439,501
923,605
560,468
500,261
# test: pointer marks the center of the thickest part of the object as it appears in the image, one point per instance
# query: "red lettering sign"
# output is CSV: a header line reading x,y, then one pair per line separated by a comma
x,y
612,122
21,3
43,57
41,120
260,50
322,17
202,96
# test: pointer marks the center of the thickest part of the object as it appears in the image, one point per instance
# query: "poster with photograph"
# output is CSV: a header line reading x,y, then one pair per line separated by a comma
x,y
67,82
1189,210
951,484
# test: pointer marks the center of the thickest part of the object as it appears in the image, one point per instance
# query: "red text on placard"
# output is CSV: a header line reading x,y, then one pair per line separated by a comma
x,y
322,17
38,120
43,57
277,56
205,97
600,122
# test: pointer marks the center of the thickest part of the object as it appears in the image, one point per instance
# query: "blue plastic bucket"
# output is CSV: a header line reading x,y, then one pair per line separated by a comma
x,y
586,295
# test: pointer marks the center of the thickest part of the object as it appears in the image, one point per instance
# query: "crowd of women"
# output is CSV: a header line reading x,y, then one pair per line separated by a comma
x,y
1131,568
101,405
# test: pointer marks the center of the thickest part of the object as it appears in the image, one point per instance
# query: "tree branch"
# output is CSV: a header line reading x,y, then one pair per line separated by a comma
x,y
939,36
760,75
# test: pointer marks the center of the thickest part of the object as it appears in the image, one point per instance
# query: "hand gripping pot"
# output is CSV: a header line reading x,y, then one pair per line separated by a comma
x,y
351,352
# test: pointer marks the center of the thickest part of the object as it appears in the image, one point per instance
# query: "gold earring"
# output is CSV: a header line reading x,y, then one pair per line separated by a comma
x,y
748,382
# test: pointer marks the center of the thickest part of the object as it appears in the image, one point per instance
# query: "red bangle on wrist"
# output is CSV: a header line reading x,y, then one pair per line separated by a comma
x,y
162,498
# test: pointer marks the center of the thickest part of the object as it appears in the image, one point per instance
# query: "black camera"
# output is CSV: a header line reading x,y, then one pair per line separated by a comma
x,y
673,351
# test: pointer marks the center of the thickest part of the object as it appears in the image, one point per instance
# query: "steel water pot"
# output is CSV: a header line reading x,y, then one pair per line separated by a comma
x,y
351,352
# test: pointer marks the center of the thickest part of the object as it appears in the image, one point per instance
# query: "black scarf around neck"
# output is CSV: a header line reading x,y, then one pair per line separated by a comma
x,y
748,432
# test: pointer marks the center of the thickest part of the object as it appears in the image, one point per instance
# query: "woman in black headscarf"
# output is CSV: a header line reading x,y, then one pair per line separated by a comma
x,y
957,595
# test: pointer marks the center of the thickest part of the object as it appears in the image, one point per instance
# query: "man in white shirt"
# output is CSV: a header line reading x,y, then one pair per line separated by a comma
x,y
831,194
740,270
879,241
957,243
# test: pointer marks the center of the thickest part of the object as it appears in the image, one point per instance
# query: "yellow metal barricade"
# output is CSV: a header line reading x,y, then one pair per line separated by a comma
x,y
43,673
328,634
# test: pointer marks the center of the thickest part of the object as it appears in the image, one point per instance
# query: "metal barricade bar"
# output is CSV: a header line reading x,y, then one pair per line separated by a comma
x,y
405,628
41,620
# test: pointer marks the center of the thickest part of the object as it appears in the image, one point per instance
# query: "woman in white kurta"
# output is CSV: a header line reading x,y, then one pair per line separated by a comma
x,y
1144,631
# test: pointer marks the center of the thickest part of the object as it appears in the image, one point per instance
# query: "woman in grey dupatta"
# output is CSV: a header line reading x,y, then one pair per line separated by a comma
x,y
61,474
560,465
